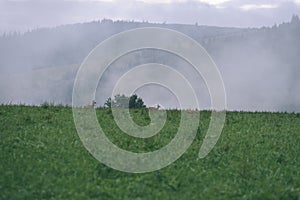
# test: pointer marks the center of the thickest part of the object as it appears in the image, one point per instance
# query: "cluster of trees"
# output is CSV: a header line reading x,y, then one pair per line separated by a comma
x,y
122,101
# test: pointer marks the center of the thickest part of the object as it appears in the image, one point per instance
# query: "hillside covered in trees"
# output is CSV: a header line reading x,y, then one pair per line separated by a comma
x,y
260,66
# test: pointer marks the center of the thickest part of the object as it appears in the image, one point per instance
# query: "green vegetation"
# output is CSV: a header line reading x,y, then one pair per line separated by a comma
x,y
122,101
42,157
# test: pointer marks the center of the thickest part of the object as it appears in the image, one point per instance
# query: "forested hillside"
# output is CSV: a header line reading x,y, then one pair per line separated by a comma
x,y
260,66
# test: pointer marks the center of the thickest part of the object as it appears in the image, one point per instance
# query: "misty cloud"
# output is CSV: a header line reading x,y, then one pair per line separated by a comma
x,y
260,66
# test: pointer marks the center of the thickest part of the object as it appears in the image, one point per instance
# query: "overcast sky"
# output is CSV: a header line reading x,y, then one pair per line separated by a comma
x,y
23,15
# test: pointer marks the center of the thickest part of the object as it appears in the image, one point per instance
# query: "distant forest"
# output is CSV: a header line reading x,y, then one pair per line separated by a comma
x,y
70,44
266,53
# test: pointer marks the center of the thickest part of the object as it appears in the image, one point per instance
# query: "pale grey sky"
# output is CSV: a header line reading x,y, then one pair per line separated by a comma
x,y
22,15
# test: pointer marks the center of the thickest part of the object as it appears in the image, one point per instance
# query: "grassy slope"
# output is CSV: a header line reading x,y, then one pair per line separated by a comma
x,y
41,156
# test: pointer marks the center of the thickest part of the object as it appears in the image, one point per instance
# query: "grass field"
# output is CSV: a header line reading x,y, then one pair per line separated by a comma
x,y
42,157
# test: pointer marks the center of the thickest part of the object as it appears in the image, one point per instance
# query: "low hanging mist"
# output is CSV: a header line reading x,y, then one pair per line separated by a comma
x,y
260,66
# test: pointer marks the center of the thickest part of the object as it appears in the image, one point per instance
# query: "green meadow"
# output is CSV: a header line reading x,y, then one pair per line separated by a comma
x,y
42,157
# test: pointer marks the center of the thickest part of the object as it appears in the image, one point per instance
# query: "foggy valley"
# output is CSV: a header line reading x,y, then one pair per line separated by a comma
x,y
260,66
